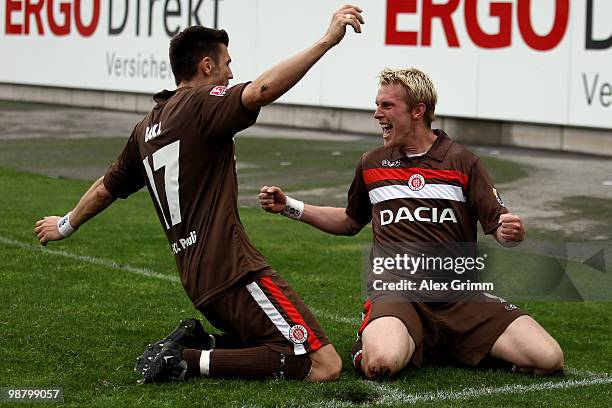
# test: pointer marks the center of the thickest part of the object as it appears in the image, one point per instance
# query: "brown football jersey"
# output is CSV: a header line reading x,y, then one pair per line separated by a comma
x,y
183,151
436,197
433,199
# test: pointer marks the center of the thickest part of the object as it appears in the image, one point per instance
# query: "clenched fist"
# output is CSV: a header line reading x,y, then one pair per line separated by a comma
x,y
272,199
511,228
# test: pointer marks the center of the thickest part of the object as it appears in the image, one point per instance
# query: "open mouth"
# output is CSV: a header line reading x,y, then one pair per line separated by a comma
x,y
386,128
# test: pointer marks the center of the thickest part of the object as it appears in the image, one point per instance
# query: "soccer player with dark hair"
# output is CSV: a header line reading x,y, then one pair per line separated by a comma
x,y
421,187
183,152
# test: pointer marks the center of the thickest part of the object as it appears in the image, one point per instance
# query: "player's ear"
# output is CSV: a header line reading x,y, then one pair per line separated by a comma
x,y
206,66
419,111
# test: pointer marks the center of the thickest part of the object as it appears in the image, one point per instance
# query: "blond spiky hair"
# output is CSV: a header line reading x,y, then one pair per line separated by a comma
x,y
418,87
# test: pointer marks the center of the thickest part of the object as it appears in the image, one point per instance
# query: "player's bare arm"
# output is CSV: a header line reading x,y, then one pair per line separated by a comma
x,y
273,83
94,201
511,230
333,220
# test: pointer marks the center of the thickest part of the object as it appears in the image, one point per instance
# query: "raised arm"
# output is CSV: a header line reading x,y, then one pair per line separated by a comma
x,y
274,82
93,202
332,220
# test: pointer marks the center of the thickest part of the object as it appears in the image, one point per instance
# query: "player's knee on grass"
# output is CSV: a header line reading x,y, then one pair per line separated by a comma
x,y
549,360
387,348
380,365
326,365
329,371
531,348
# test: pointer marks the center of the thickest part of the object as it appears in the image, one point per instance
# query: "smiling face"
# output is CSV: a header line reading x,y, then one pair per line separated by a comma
x,y
397,122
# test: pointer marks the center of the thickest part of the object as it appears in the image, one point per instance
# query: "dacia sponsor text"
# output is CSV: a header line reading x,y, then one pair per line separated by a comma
x,y
420,214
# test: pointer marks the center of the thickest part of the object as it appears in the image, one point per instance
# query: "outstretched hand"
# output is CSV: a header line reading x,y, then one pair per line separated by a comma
x,y
46,230
272,199
347,15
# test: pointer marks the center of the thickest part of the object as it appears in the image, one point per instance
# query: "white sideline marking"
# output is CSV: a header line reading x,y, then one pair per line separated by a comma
x,y
336,318
109,263
333,403
393,395
586,373
389,394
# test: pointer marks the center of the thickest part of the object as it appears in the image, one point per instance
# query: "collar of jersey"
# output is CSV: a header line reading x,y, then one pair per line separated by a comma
x,y
164,95
437,151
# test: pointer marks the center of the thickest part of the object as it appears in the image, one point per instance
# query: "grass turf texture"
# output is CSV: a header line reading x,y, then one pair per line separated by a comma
x,y
78,325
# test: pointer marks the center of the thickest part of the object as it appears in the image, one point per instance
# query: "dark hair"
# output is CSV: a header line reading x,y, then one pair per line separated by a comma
x,y
188,47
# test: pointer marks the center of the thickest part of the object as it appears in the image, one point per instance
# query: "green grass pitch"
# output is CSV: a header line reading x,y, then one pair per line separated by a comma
x,y
77,314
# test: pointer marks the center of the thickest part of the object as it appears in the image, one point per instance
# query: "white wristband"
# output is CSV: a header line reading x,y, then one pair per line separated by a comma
x,y
293,209
64,227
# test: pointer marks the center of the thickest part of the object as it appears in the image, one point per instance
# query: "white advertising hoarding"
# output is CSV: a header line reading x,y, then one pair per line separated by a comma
x,y
542,61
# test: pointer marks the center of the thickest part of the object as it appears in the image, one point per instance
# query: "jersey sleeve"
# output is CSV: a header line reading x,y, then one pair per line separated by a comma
x,y
359,207
223,114
125,175
483,199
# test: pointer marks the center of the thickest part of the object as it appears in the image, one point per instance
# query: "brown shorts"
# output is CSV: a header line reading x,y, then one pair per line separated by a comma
x,y
265,311
462,332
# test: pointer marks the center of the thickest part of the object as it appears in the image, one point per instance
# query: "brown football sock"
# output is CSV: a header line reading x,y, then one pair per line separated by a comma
x,y
247,363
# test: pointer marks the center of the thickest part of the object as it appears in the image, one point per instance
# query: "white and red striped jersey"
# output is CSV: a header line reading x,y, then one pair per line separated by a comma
x,y
439,196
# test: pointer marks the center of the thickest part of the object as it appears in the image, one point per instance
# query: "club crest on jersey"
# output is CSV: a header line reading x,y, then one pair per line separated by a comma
x,y
497,197
416,182
298,334
390,163
218,91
